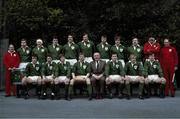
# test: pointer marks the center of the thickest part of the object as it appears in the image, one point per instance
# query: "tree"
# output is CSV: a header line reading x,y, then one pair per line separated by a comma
x,y
31,18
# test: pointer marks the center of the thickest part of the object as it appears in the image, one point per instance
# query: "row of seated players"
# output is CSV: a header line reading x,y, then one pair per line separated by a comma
x,y
95,74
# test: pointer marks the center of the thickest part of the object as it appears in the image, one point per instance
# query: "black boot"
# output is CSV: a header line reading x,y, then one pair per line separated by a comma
x,y
26,90
38,91
66,92
89,88
162,95
52,91
57,96
147,91
70,90
128,88
44,94
141,86
110,91
121,87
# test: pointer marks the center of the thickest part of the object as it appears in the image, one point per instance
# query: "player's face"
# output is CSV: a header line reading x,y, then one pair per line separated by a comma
x,y
96,56
117,41
103,39
114,57
55,41
151,39
62,59
166,42
23,43
49,59
39,44
85,38
135,41
133,58
81,57
11,48
70,39
34,60
151,57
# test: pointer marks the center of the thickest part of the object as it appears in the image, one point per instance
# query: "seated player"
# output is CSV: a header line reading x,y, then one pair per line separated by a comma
x,y
32,76
48,70
134,74
81,73
63,75
154,74
115,74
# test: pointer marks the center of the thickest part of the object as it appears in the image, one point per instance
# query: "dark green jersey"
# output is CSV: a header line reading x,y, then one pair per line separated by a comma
x,y
63,69
104,50
48,69
41,53
153,68
138,51
33,69
134,69
87,48
81,68
114,68
25,54
55,51
119,50
71,51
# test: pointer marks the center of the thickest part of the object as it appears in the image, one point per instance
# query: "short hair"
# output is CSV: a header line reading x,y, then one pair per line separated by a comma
x,y
34,56
23,39
104,35
55,37
85,34
113,53
81,53
132,54
49,55
117,36
151,54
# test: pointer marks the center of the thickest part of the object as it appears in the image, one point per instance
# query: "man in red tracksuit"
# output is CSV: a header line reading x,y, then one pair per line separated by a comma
x,y
169,62
11,61
152,47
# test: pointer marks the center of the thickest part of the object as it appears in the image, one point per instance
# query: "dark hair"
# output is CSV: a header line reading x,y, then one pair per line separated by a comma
x,y
113,53
33,55
49,55
117,36
81,53
85,34
23,39
104,35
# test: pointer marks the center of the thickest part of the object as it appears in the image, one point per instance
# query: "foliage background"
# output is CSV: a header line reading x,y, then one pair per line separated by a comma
x,y
32,19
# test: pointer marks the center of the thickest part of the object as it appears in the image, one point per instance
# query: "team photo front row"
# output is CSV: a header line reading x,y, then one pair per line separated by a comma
x,y
97,75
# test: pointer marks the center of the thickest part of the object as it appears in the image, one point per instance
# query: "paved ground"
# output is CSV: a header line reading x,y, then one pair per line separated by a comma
x,y
12,107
